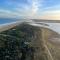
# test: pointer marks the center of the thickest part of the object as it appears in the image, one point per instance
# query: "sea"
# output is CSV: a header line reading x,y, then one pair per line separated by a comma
x,y
53,26
7,20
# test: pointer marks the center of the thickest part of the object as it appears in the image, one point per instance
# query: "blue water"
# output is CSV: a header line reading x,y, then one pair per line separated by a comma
x,y
7,20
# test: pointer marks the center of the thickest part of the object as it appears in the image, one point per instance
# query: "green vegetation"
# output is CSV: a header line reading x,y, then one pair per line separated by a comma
x,y
15,43
25,42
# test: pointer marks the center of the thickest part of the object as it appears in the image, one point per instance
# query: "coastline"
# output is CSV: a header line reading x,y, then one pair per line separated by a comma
x,y
7,26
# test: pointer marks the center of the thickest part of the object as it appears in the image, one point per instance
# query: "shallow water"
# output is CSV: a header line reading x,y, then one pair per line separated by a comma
x,y
55,27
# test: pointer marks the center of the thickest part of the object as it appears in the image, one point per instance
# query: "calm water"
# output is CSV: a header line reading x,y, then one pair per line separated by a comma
x,y
4,20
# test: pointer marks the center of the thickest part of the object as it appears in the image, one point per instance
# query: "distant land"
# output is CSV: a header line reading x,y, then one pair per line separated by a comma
x,y
9,20
47,21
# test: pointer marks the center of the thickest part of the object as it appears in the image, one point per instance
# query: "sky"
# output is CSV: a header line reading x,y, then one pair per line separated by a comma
x,y
32,9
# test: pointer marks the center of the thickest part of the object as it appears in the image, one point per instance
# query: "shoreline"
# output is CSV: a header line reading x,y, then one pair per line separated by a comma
x,y
7,26
51,26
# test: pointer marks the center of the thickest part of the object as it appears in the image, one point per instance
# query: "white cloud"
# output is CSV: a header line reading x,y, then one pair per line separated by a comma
x,y
35,6
33,11
26,11
55,7
8,14
51,14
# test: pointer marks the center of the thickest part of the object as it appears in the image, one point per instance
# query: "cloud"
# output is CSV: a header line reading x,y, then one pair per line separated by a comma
x,y
51,14
20,8
8,14
18,13
35,6
30,9
55,7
